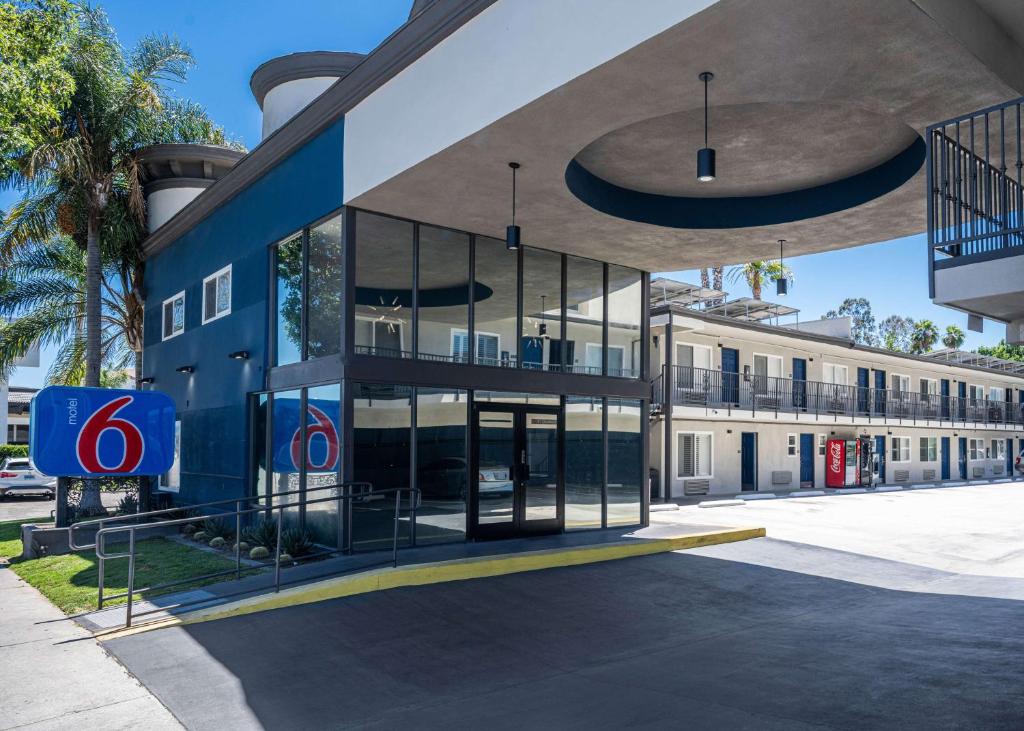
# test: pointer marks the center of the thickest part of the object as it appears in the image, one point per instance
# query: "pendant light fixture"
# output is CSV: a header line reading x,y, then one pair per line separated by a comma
x,y
706,155
512,232
781,284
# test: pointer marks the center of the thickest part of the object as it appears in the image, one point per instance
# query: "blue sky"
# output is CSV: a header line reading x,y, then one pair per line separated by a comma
x,y
230,39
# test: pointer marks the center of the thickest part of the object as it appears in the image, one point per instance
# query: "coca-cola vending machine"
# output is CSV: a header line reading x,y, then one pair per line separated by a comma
x,y
848,462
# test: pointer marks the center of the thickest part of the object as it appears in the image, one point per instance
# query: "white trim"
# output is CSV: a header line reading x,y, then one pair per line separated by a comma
x,y
711,455
925,379
215,276
892,443
792,441
937,449
767,357
834,367
822,445
893,376
163,315
477,333
711,360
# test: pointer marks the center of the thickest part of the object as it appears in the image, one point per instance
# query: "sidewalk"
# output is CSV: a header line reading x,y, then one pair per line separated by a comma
x,y
55,676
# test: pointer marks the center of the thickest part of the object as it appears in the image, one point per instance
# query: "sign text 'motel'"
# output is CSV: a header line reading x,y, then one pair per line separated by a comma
x,y
79,432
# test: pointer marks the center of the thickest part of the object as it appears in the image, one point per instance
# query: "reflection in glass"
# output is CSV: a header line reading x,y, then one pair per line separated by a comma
x,y
496,447
381,444
540,481
284,465
585,314
625,461
442,473
323,461
260,488
542,311
625,310
495,314
584,462
324,318
510,397
288,275
444,295
383,286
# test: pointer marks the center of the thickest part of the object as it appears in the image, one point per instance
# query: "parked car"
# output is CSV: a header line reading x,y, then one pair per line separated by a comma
x,y
1019,463
445,479
18,476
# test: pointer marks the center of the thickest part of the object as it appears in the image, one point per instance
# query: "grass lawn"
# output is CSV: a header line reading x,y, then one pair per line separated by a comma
x,y
70,581
10,535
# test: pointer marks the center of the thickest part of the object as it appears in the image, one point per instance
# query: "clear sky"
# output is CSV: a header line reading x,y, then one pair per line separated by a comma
x,y
230,38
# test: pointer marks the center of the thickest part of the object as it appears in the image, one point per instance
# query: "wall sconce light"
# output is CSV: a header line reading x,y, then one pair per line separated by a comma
x,y
147,380
239,355
889,433
655,341
185,369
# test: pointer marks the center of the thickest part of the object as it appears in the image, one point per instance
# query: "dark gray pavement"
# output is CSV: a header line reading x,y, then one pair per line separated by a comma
x,y
756,635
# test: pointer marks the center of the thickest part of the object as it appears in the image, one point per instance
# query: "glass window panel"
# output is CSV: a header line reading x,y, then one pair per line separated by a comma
x,y
584,462
284,467
542,311
209,299
383,285
323,461
381,443
288,276
324,289
625,311
495,308
444,294
510,397
260,488
625,462
584,298
224,292
441,466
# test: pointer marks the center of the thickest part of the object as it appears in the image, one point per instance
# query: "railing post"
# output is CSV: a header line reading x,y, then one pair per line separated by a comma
x,y
341,520
349,508
100,568
238,540
394,548
131,576
277,552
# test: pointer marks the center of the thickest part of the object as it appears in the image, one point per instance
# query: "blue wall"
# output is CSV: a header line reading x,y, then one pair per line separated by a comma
x,y
211,402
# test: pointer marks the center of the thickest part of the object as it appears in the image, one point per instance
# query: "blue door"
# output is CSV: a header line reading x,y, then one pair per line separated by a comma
x,y
862,390
944,392
880,451
806,460
730,375
800,383
533,352
962,463
961,405
1009,457
879,392
945,458
748,461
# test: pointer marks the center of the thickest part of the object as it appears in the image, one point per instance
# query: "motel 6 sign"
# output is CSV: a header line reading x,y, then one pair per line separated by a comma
x,y
323,446
78,432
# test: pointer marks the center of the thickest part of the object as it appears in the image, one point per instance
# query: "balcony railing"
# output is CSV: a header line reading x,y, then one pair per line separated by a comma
x,y
975,191
711,389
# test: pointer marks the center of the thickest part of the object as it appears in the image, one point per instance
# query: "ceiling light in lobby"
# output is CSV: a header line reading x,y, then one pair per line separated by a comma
x,y
706,155
512,232
781,284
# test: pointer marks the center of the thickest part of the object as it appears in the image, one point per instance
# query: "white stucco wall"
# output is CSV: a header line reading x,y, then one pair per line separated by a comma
x,y
509,55
285,100
161,205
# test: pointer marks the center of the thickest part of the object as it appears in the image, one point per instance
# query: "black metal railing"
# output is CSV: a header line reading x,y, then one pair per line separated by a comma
x,y
714,389
975,191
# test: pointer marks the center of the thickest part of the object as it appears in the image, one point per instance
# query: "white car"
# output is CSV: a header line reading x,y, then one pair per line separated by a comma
x,y
1019,462
18,476
494,482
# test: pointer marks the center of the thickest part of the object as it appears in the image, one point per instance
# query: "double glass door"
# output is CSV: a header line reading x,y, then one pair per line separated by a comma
x,y
516,470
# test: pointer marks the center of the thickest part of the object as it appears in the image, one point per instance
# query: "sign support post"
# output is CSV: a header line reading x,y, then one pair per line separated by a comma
x,y
61,515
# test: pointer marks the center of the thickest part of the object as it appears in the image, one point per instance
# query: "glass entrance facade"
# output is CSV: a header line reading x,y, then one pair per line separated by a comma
x,y
390,336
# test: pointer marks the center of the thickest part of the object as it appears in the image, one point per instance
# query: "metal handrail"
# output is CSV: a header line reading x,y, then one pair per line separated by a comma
x,y
347,494
165,511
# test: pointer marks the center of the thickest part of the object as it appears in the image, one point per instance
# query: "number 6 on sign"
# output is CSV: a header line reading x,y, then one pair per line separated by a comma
x,y
88,446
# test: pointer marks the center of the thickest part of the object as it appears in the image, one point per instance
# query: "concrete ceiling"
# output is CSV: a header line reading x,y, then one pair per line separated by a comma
x,y
805,93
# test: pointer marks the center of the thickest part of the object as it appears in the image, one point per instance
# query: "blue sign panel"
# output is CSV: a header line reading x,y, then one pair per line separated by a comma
x,y
323,446
77,432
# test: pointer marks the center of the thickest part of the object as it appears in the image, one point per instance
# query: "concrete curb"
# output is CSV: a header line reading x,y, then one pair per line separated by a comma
x,y
444,571
720,503
808,493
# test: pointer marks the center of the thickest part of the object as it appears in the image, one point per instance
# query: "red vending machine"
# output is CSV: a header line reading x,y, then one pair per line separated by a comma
x,y
848,462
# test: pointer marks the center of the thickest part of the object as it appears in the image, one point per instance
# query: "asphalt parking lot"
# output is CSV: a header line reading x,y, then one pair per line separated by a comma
x,y
765,634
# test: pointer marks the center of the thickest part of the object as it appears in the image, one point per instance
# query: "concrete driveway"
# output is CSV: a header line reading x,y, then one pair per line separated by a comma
x,y
21,507
763,634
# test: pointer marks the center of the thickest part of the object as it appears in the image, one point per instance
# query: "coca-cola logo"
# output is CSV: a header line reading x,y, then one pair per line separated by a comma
x,y
835,452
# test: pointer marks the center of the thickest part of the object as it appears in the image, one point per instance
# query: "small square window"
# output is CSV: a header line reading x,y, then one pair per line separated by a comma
x,y
791,445
217,295
821,445
173,316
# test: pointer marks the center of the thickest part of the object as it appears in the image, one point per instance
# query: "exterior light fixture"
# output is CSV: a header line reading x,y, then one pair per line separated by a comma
x,y
706,155
512,232
185,369
239,355
781,284
147,380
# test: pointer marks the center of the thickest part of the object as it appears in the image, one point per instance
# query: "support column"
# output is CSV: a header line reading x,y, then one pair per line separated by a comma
x,y
668,388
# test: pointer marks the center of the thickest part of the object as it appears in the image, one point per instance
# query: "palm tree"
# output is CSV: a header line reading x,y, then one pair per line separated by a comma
x,y
954,337
88,159
924,335
756,273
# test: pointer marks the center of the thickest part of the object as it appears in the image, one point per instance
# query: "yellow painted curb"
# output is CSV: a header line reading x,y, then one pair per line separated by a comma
x,y
442,571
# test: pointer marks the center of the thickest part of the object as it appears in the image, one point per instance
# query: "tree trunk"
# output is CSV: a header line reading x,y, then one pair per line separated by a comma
x,y
91,502
716,275
755,287
705,280
138,369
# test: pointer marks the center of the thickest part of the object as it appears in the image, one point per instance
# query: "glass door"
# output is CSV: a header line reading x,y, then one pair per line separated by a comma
x,y
517,471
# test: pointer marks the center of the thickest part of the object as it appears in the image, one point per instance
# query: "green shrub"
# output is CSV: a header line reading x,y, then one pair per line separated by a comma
x,y
262,533
259,553
296,542
218,528
199,536
128,505
217,542
13,450
189,529
285,558
242,547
